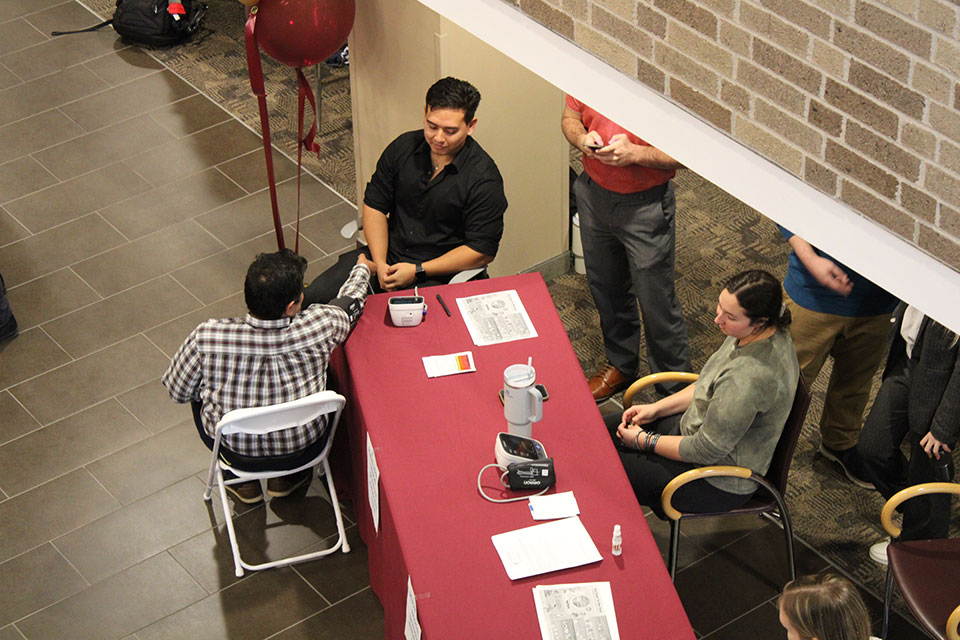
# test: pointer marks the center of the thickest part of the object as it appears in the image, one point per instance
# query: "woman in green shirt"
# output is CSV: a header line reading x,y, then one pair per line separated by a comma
x,y
732,415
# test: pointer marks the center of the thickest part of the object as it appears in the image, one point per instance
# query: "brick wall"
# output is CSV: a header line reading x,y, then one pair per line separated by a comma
x,y
858,98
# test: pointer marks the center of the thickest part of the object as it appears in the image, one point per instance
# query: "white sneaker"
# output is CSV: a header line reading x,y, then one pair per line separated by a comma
x,y
878,551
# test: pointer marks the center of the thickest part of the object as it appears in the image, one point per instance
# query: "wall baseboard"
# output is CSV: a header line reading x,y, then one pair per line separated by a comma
x,y
553,267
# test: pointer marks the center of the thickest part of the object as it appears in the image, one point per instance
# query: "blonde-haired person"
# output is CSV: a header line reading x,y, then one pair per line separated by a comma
x,y
823,607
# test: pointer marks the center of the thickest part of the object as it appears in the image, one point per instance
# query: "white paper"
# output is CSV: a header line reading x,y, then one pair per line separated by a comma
x,y
496,317
449,365
373,485
558,505
543,548
411,629
581,611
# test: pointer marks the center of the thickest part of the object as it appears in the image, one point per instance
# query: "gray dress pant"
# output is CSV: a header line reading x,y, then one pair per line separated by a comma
x,y
628,249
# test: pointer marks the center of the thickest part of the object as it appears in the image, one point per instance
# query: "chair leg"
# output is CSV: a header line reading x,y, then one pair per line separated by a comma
x,y
210,478
237,566
345,546
674,548
887,601
788,534
787,528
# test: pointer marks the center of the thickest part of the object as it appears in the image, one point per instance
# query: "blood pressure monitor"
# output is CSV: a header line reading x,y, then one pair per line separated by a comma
x,y
510,448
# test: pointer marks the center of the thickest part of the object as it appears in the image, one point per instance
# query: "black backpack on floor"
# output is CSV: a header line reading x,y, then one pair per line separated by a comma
x,y
154,22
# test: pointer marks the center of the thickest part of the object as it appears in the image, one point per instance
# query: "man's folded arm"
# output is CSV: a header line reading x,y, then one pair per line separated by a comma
x,y
456,260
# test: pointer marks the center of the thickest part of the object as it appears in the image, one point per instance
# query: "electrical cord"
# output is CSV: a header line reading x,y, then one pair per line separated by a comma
x,y
502,476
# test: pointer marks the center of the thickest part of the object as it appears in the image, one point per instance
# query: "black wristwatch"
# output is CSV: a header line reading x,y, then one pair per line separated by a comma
x,y
421,274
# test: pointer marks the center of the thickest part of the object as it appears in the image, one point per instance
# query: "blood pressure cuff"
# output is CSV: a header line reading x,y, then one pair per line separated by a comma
x,y
353,307
536,474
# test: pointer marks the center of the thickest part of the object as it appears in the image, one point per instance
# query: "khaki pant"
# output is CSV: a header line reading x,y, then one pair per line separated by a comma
x,y
857,346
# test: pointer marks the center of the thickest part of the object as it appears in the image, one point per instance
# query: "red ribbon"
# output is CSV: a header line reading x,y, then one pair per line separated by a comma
x,y
305,93
305,141
257,86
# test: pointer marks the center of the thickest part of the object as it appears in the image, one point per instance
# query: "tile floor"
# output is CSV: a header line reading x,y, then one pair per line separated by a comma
x,y
130,206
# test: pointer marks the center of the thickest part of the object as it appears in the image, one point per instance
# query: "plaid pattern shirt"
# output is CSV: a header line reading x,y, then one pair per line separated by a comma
x,y
237,363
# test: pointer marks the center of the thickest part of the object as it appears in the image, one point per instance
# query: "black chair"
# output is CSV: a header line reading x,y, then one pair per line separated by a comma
x,y
774,481
927,571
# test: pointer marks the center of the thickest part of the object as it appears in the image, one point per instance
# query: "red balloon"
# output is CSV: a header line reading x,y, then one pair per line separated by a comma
x,y
301,33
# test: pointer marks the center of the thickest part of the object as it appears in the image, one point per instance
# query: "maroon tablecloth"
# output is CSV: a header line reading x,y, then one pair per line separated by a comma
x,y
432,436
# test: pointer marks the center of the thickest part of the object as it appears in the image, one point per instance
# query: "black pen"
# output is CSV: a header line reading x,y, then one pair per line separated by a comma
x,y
443,304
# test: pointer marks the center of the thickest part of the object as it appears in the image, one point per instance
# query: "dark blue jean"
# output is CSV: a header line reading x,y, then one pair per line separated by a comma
x,y
5,312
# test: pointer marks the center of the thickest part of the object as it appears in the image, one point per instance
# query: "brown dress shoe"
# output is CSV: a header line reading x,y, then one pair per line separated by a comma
x,y
246,492
607,382
285,485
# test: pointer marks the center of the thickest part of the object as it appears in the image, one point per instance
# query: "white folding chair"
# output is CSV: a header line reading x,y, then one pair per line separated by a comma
x,y
264,420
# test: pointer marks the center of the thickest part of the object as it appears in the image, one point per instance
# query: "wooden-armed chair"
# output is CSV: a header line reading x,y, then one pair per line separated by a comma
x,y
927,571
264,420
774,482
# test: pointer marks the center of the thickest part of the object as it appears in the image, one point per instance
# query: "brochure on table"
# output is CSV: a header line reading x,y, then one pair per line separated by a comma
x,y
496,317
576,611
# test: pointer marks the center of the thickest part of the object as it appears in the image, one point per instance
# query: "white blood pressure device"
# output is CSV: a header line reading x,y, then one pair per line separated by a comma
x,y
407,311
510,448
524,465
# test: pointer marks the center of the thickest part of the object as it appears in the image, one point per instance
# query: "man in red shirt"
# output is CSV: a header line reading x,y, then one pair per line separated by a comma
x,y
626,206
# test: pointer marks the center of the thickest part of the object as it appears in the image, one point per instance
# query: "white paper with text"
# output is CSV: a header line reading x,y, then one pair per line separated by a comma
x,y
411,628
496,317
373,485
581,611
543,548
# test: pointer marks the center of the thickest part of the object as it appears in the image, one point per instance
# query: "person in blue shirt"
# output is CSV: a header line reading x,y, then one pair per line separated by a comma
x,y
839,313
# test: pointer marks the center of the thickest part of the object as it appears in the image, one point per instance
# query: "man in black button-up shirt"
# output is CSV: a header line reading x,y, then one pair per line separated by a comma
x,y
434,206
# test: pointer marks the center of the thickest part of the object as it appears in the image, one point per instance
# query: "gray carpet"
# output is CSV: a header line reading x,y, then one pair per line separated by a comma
x,y
717,236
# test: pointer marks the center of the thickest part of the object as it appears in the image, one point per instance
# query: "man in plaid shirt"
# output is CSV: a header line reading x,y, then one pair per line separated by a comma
x,y
277,353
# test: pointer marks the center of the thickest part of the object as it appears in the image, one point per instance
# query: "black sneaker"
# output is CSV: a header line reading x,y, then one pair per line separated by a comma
x,y
339,59
9,330
849,462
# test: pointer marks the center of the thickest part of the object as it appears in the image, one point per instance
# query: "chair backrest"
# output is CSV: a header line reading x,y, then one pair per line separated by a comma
x,y
783,454
263,420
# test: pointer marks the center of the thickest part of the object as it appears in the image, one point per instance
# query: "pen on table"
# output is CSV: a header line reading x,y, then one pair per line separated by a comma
x,y
443,304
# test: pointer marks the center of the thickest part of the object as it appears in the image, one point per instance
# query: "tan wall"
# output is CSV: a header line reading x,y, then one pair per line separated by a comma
x,y
397,49
387,81
858,98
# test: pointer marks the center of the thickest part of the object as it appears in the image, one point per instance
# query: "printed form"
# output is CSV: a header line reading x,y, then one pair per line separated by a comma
x,y
581,611
496,317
